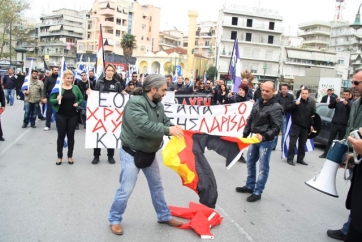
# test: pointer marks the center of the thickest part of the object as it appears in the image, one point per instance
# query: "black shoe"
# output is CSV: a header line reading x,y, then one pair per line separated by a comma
x,y
85,127
244,189
322,156
24,126
77,127
95,160
290,162
302,163
2,139
336,234
33,126
273,148
242,159
41,118
111,160
253,198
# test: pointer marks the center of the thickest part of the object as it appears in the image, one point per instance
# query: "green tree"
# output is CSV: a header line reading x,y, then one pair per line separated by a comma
x,y
10,13
168,68
211,72
128,43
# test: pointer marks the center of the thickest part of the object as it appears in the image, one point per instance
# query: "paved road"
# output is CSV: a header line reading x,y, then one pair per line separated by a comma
x,y
40,201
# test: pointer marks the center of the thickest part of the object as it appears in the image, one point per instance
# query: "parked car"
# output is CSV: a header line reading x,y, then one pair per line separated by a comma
x,y
326,115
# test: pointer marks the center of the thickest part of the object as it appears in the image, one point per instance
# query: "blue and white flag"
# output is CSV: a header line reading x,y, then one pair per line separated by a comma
x,y
235,70
52,119
58,85
177,73
81,68
309,146
26,82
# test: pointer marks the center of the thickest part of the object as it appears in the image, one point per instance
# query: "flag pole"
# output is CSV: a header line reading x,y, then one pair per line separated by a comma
x,y
61,80
101,33
231,59
88,72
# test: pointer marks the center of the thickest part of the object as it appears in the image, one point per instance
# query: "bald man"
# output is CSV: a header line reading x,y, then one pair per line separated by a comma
x,y
264,123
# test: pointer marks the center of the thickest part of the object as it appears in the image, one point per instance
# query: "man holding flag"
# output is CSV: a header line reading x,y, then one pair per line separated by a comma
x,y
49,84
235,70
33,90
302,124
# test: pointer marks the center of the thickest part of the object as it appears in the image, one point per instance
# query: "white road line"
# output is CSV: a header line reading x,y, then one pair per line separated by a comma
x,y
14,142
241,230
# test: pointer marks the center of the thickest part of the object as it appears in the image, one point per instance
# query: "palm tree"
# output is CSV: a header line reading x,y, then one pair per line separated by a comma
x,y
128,43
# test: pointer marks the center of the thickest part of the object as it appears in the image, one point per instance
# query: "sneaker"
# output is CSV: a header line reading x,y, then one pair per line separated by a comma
x,y
336,234
111,160
244,189
322,156
253,198
95,160
242,159
46,128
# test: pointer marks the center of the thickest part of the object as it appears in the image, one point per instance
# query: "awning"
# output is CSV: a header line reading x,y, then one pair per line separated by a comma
x,y
354,56
108,42
69,28
112,5
293,54
72,19
306,55
311,55
103,5
55,28
205,29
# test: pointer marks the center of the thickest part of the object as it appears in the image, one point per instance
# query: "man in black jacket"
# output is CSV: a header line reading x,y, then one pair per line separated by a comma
x,y
49,84
257,93
330,97
285,99
339,120
9,86
302,124
264,123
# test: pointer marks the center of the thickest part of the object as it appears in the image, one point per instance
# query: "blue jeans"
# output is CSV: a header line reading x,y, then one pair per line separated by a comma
x,y
30,112
128,178
345,227
261,152
49,114
9,94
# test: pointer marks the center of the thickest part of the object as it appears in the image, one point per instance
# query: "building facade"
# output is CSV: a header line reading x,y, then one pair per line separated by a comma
x,y
258,31
315,34
58,34
170,39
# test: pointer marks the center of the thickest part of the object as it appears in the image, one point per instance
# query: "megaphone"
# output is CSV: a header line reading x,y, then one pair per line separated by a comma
x,y
325,179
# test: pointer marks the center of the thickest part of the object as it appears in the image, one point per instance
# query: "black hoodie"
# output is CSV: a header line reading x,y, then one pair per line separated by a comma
x,y
49,84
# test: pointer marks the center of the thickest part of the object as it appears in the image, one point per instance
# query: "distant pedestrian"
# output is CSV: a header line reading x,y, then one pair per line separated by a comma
x,y
2,109
9,85
329,97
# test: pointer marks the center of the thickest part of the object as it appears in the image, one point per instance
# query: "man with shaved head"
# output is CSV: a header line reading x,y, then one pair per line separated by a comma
x,y
263,123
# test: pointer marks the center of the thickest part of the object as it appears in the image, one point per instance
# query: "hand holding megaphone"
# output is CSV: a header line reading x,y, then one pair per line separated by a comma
x,y
355,139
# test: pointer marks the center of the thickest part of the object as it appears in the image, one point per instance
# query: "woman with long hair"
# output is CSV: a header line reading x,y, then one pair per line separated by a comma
x,y
66,103
130,87
222,94
107,84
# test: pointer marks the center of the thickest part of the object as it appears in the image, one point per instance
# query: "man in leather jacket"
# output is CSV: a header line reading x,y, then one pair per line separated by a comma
x,y
264,123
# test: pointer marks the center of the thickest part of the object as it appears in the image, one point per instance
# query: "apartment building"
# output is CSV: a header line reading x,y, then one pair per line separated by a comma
x,y
258,31
58,34
315,34
170,39
144,23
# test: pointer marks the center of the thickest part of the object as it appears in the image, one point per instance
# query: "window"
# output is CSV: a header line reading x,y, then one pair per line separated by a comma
x,y
185,45
150,18
90,25
248,37
341,62
271,25
118,21
234,21
88,35
196,43
233,35
247,52
141,37
249,23
149,29
143,26
270,39
118,33
207,43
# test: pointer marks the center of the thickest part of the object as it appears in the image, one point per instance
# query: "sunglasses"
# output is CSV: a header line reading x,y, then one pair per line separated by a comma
x,y
131,84
134,76
356,83
207,82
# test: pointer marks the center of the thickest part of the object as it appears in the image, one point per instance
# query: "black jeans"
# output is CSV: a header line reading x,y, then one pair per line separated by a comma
x,y
301,134
335,129
48,114
353,235
97,152
66,127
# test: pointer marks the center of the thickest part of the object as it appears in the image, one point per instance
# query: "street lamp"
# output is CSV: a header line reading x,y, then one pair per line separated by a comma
x,y
357,22
264,68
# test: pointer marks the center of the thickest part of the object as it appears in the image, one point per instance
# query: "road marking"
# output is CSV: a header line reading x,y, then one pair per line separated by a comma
x,y
14,142
241,230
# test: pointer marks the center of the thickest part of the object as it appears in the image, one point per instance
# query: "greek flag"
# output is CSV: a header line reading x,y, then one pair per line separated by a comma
x,y
58,85
81,68
309,146
52,119
25,85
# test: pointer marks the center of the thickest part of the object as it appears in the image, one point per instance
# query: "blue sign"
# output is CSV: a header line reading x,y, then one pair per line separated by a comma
x,y
178,70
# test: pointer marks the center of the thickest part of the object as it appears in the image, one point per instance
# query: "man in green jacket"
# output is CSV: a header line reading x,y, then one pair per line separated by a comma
x,y
144,124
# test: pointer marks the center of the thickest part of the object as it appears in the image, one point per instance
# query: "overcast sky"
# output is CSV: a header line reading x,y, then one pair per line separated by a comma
x,y
174,13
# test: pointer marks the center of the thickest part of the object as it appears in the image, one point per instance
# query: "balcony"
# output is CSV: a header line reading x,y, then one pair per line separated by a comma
x,y
254,40
313,32
255,27
107,24
59,54
106,12
52,43
108,35
108,48
314,23
316,41
62,33
88,46
268,58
